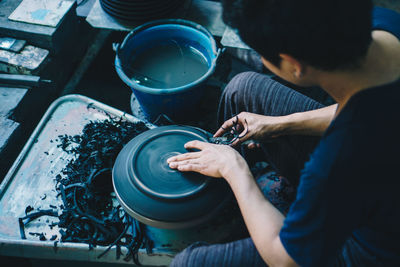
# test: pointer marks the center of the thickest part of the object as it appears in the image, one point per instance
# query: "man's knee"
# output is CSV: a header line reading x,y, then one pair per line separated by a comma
x,y
234,254
246,81
238,82
190,256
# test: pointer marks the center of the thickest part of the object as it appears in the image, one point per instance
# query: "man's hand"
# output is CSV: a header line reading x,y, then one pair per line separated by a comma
x,y
212,160
263,220
252,127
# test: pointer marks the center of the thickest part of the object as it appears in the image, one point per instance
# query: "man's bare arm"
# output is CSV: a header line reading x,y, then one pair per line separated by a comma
x,y
262,219
313,122
262,127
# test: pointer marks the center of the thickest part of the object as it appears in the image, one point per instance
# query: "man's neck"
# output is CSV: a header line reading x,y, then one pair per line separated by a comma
x,y
381,66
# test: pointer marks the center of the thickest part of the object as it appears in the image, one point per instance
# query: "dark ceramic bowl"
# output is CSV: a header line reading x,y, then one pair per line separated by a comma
x,y
159,196
140,11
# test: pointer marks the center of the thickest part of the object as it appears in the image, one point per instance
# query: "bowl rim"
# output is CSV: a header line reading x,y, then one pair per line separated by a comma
x,y
170,224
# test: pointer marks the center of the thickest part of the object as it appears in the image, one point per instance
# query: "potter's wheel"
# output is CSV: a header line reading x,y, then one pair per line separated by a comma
x,y
161,197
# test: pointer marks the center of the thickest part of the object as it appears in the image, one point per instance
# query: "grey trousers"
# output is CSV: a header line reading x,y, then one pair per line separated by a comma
x,y
257,93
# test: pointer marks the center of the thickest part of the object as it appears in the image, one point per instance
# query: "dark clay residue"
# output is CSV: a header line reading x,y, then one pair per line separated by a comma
x,y
87,214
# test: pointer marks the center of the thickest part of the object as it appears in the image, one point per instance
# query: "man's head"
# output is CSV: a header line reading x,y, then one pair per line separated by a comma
x,y
327,35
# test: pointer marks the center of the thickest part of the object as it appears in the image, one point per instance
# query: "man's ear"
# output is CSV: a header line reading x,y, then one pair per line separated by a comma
x,y
292,65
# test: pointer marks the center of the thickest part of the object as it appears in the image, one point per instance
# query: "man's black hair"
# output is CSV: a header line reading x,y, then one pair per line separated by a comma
x,y
326,34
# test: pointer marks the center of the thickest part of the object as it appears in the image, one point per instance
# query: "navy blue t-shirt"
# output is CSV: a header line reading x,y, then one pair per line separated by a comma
x,y
350,185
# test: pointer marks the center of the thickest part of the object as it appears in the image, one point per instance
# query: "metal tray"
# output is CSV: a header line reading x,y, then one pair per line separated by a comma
x,y
31,181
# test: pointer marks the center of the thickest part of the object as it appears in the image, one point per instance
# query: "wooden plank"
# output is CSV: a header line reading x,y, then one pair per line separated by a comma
x,y
10,131
9,26
10,143
52,38
83,7
7,129
41,12
9,99
29,61
231,39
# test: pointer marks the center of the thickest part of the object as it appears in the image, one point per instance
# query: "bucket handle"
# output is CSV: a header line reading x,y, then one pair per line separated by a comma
x,y
115,47
219,52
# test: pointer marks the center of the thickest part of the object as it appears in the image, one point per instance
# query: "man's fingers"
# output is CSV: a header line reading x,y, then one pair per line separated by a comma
x,y
196,145
186,166
219,132
242,137
190,168
227,125
186,156
224,127
252,145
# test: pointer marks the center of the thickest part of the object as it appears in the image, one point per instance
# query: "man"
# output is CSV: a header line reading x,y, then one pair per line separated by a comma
x,y
347,208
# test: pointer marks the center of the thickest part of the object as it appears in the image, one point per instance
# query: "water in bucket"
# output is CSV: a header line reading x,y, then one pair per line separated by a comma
x,y
169,64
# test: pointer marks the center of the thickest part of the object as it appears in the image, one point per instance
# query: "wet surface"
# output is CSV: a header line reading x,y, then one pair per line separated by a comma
x,y
167,65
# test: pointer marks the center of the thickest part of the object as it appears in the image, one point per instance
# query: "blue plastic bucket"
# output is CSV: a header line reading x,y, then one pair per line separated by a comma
x,y
180,102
